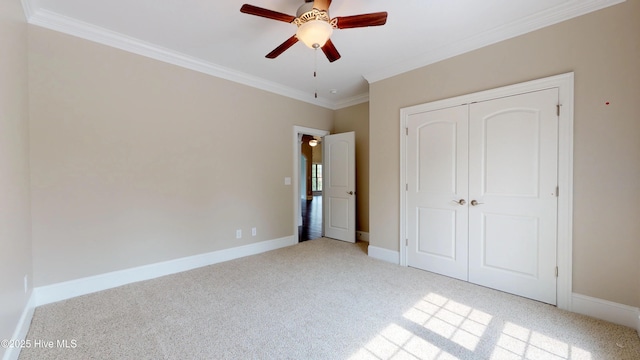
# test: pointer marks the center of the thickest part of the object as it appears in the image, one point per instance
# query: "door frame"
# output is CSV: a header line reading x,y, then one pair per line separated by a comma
x,y
298,131
565,85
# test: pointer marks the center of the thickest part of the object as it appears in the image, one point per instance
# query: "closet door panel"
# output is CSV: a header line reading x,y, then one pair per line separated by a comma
x,y
512,189
437,180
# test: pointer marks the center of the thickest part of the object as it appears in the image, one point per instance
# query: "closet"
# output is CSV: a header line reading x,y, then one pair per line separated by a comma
x,y
481,193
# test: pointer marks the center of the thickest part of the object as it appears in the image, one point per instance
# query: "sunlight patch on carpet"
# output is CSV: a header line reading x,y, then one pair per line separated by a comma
x,y
435,327
396,342
517,342
447,319
451,320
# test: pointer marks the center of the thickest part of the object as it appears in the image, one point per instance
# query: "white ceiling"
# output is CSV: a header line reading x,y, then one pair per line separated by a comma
x,y
214,37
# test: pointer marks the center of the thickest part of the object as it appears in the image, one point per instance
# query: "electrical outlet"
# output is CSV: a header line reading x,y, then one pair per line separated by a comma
x,y
254,231
26,283
239,234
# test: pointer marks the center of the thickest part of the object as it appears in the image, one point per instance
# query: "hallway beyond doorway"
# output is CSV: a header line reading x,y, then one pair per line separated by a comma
x,y
311,227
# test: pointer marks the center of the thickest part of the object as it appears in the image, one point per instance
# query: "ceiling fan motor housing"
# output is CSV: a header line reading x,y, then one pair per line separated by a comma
x,y
306,12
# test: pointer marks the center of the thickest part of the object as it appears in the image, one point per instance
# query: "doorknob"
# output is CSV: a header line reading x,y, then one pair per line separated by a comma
x,y
460,202
350,192
475,203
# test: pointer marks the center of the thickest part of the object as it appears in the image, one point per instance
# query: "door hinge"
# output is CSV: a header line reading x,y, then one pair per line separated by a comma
x,y
406,130
556,271
406,187
558,109
557,191
406,242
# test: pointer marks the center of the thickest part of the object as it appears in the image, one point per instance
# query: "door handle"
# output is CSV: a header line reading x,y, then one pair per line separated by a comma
x,y
460,202
475,203
350,192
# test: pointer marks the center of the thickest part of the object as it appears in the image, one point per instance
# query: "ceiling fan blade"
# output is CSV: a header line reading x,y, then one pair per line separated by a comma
x,y
362,20
321,4
330,50
269,14
282,48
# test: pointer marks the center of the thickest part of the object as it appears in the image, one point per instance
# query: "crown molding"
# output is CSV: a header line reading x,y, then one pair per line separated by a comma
x,y
57,22
560,13
27,8
354,100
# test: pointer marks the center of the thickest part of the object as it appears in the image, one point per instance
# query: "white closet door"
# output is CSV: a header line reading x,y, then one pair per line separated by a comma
x,y
437,181
513,160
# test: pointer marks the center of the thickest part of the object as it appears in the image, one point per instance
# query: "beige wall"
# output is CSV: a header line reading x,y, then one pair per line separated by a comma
x,y
136,161
603,49
15,239
356,118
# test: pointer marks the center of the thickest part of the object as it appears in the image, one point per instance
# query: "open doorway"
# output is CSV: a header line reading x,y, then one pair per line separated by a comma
x,y
311,208
308,172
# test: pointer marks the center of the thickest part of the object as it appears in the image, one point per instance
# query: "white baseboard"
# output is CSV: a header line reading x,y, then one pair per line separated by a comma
x,y
384,254
362,236
606,310
69,289
20,333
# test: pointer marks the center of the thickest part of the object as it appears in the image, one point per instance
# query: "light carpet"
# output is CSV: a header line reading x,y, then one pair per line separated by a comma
x,y
321,299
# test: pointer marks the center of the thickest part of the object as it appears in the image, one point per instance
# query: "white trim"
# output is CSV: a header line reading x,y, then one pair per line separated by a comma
x,y
564,283
22,329
564,83
606,310
362,236
402,244
383,254
638,322
27,8
551,16
354,100
69,289
64,24
299,130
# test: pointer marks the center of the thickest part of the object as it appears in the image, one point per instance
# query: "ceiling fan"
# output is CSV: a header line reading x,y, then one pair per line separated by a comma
x,y
315,26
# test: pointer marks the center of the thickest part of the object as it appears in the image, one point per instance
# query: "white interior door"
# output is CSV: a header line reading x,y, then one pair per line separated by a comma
x,y
513,171
437,187
339,186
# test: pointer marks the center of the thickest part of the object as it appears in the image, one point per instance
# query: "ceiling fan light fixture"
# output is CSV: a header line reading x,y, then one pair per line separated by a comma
x,y
315,26
314,33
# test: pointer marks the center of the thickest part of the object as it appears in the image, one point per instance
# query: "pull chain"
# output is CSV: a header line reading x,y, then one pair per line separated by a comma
x,y
315,70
